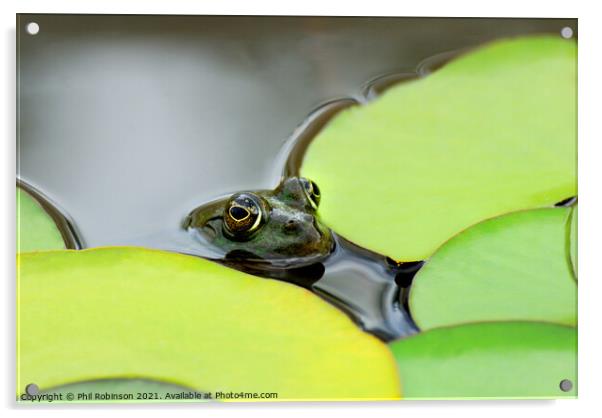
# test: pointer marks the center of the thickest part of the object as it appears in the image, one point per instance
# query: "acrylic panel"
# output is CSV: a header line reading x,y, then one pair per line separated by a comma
x,y
294,208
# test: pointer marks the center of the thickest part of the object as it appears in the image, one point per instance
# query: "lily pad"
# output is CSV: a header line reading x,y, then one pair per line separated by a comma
x,y
573,241
35,228
492,132
513,267
488,360
135,313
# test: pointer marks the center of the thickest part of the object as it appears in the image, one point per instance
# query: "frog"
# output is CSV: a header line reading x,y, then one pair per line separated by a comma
x,y
276,232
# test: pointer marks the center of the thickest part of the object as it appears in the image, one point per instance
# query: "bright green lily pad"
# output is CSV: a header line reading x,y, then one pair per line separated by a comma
x,y
36,230
573,241
513,267
488,360
492,132
118,390
135,313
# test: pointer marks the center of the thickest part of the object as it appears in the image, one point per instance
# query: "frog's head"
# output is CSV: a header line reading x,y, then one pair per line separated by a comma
x,y
279,226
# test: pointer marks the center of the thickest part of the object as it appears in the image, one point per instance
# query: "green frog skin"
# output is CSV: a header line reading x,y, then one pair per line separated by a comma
x,y
279,226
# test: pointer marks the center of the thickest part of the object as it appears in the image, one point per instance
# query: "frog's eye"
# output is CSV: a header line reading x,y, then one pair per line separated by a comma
x,y
312,191
244,214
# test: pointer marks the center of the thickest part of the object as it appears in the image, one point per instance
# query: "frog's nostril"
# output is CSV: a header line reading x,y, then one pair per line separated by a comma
x,y
291,226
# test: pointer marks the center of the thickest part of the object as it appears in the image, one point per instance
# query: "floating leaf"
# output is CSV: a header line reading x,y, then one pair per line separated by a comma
x,y
35,228
135,313
509,268
488,360
490,133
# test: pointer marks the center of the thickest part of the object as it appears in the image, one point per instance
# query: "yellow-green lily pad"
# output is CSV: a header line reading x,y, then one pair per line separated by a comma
x,y
36,230
513,267
492,132
135,313
489,360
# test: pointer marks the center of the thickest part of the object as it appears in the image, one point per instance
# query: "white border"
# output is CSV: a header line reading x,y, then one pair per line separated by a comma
x,y
590,135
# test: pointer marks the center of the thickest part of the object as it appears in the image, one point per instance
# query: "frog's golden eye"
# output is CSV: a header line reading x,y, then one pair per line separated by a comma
x,y
312,191
244,214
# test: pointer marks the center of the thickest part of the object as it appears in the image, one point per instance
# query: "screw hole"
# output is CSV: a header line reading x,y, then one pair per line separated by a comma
x,y
566,385
32,28
566,32
32,389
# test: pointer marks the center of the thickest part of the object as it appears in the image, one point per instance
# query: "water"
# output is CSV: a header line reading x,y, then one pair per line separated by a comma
x,y
365,285
126,123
